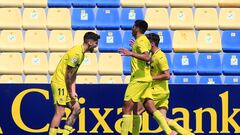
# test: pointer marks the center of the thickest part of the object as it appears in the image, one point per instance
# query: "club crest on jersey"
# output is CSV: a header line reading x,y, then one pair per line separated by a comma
x,y
74,60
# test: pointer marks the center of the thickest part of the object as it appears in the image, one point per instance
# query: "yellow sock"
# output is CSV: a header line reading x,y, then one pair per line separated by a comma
x,y
53,131
67,130
157,115
126,124
137,123
174,125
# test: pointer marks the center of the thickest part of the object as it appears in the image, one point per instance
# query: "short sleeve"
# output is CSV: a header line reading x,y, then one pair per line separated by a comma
x,y
163,63
144,46
73,59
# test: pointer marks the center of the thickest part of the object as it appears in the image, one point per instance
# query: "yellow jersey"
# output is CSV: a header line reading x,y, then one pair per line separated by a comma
x,y
140,69
158,65
73,58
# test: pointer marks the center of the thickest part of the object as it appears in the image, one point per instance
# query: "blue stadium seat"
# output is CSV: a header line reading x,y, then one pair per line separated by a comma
x,y
129,15
185,80
108,3
232,80
107,18
59,3
209,64
231,40
165,42
184,64
83,18
231,64
170,81
210,80
126,39
84,3
110,41
126,65
169,62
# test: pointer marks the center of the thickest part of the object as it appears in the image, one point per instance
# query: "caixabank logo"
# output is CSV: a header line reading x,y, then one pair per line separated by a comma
x,y
97,117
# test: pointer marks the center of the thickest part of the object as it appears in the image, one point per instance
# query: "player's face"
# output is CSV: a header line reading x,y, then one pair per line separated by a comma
x,y
134,31
152,46
92,44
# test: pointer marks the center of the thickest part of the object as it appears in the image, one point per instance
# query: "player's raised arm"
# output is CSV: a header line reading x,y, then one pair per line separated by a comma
x,y
144,56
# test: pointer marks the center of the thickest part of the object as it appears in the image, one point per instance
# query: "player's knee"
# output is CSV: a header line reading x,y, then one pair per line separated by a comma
x,y
139,111
126,109
149,108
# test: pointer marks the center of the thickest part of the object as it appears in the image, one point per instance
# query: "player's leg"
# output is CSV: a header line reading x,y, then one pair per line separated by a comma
x,y
172,124
131,96
157,115
54,127
75,111
127,117
137,118
59,102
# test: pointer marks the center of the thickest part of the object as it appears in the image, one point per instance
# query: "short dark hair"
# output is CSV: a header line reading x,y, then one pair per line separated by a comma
x,y
91,35
152,37
142,25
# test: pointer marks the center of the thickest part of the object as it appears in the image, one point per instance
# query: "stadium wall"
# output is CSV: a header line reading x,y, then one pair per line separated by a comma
x,y
204,109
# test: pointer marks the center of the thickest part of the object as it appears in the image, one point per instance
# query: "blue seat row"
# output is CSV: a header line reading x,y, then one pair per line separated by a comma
x,y
106,18
111,40
208,64
206,80
84,3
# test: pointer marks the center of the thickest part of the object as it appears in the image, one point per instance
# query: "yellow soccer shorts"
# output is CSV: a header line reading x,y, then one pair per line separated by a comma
x,y
60,94
160,98
138,91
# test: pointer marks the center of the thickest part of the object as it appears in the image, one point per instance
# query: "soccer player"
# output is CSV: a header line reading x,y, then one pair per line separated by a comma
x,y
160,91
140,82
63,84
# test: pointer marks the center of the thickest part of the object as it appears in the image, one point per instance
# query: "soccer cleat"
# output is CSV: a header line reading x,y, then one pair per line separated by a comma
x,y
68,130
53,131
189,134
59,131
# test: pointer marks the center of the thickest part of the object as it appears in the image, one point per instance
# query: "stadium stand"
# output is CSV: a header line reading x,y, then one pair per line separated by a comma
x,y
111,80
89,65
185,80
184,64
181,18
11,40
210,80
83,18
110,64
86,79
230,65
209,64
153,17
34,18
36,41
231,40
209,41
110,41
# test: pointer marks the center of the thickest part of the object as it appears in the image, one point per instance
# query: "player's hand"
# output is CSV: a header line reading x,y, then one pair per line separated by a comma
x,y
125,52
73,95
131,42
